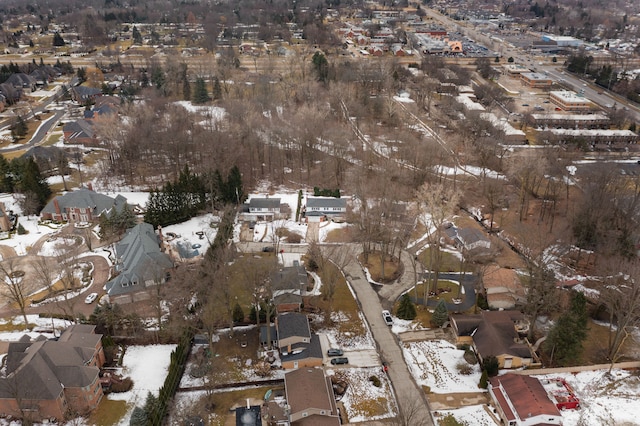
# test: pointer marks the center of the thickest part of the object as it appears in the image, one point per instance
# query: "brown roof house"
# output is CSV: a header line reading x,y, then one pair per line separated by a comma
x,y
310,398
523,401
496,333
502,288
298,346
47,379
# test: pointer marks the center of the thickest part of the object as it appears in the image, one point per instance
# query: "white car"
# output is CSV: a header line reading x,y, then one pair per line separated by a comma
x,y
91,298
386,315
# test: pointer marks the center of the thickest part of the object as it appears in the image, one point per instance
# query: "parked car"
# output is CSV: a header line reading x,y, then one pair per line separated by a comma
x,y
386,315
268,249
338,361
335,352
91,298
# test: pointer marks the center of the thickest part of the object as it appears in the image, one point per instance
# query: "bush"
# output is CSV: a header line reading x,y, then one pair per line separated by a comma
x,y
464,368
484,380
123,386
294,238
482,302
491,365
470,357
21,230
375,381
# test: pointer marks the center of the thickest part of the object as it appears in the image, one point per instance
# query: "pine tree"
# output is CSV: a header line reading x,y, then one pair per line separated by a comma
x,y
58,41
234,192
440,314
138,417
238,313
136,36
491,365
564,342
217,89
484,380
406,309
200,94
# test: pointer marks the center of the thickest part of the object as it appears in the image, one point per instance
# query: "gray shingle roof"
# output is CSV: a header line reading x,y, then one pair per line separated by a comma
x,y
327,202
85,198
293,324
140,260
264,203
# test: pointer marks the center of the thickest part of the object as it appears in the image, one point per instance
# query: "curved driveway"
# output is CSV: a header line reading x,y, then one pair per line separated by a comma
x,y
39,135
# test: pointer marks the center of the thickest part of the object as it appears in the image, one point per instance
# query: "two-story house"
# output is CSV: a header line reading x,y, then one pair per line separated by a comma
x,y
310,398
81,205
288,285
319,208
263,208
47,379
298,346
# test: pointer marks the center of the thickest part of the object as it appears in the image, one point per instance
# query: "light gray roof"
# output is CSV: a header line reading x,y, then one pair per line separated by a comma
x,y
140,259
85,198
264,203
326,202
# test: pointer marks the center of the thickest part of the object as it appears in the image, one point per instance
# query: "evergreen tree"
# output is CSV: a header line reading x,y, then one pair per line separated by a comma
x,y
58,41
138,417
564,342
238,313
30,183
321,66
158,78
136,36
151,406
6,180
491,365
217,89
186,86
234,192
19,129
81,73
484,380
200,94
406,309
440,314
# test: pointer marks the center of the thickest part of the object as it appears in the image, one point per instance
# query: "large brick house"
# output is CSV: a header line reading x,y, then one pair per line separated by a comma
x,y
82,205
48,379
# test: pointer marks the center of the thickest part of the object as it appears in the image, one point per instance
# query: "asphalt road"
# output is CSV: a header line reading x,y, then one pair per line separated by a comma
x,y
39,136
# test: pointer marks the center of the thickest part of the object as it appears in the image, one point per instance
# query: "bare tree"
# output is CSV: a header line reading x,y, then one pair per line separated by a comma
x,y
13,286
621,297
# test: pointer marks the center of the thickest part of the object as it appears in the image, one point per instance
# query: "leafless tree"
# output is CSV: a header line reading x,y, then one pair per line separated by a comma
x,y
14,287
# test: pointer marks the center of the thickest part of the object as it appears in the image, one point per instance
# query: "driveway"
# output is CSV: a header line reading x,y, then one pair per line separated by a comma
x,y
468,282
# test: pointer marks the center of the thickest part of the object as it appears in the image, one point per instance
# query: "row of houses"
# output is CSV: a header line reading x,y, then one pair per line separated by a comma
x,y
315,209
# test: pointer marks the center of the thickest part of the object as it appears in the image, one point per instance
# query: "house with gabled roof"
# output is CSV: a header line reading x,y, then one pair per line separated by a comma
x,y
80,132
261,208
288,284
318,208
51,378
298,346
84,94
522,401
502,287
81,205
496,333
140,265
310,398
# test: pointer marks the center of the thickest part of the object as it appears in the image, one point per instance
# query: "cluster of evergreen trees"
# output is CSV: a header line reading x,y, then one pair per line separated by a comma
x,y
22,175
116,223
182,199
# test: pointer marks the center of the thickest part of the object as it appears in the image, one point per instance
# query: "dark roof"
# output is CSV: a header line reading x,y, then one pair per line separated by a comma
x,y
263,334
301,350
470,235
44,153
139,259
290,278
526,394
327,202
292,324
79,129
84,92
249,416
264,203
495,333
86,198
21,79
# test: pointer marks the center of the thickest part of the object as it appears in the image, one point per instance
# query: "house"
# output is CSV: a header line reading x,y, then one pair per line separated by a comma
x,y
471,239
250,415
522,401
22,81
84,94
48,379
317,208
288,285
502,287
496,333
262,209
6,220
81,205
80,132
310,398
84,205
298,347
48,158
140,264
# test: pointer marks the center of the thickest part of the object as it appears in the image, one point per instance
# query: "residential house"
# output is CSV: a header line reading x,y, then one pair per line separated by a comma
x,y
80,132
502,287
298,347
288,285
140,264
262,209
6,220
84,94
48,379
249,415
318,208
310,398
81,205
471,240
10,94
496,333
522,401
48,158
22,81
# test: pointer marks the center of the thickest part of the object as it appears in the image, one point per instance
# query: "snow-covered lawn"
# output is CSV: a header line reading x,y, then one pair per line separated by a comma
x,y
147,366
363,400
435,364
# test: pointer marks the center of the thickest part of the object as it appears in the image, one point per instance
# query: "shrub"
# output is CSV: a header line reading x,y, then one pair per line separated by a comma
x,y
482,302
21,230
123,386
491,365
470,357
375,381
464,368
294,238
484,380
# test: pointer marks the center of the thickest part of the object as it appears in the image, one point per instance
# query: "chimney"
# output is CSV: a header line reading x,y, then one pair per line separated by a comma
x,y
56,205
90,186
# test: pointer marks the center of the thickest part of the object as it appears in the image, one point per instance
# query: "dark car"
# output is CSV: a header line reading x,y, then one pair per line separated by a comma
x,y
334,352
338,361
268,249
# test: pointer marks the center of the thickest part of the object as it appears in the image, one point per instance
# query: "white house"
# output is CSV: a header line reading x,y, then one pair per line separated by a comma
x,y
319,207
264,208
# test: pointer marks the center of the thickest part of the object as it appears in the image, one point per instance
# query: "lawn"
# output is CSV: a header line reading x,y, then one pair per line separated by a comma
x,y
108,413
392,267
449,262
